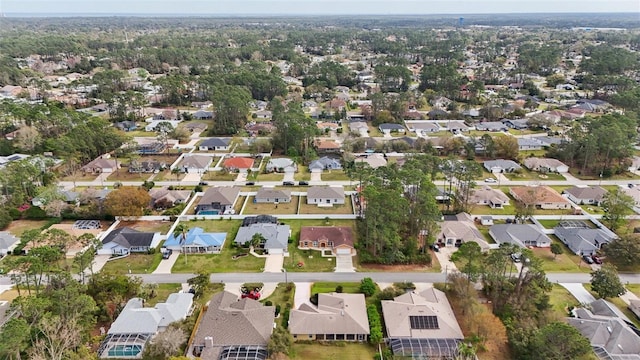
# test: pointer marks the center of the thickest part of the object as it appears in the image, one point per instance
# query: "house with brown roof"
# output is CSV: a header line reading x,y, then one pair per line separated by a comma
x,y
487,195
458,229
218,200
326,146
238,164
325,195
102,164
540,197
338,317
422,325
196,164
268,195
233,328
165,198
338,239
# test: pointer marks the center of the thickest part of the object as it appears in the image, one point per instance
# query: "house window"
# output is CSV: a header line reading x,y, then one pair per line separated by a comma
x,y
340,337
320,337
360,337
306,244
335,200
330,243
328,201
315,244
330,337
351,337
310,336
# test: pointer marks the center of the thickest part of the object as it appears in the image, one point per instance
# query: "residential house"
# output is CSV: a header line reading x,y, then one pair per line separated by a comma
x,y
153,166
136,325
153,147
545,165
126,125
611,333
269,195
325,163
388,128
196,241
201,104
276,236
338,239
581,238
261,128
634,192
195,127
586,195
233,328
522,235
635,164
326,146
516,124
152,125
218,200
493,126
529,144
215,144
373,160
238,164
263,114
126,240
422,127
163,198
487,195
548,141
422,325
202,115
359,127
338,317
324,126
458,229
541,197
440,102
436,114
325,195
486,220
501,166
281,165
8,242
456,127
196,164
102,164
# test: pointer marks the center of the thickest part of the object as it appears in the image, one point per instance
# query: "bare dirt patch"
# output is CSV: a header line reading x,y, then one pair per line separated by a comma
x,y
147,226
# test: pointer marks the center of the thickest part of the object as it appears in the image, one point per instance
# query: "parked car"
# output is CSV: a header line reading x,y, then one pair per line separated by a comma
x,y
490,180
516,257
596,259
250,183
303,183
587,259
203,183
435,247
288,183
166,253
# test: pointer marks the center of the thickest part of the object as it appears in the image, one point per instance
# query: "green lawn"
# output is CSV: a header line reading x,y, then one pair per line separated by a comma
x,y
487,210
283,296
303,174
137,263
17,227
566,262
270,177
334,175
329,286
273,209
305,208
219,176
296,224
634,288
311,259
561,299
168,176
525,174
549,224
162,293
332,351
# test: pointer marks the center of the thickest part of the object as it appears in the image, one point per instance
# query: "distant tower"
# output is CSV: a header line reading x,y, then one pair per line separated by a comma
x,y
461,22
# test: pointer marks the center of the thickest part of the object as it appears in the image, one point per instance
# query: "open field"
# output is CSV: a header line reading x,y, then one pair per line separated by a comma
x,y
273,209
274,176
305,208
303,174
17,227
80,176
312,260
334,175
219,176
525,174
566,262
137,263
296,224
125,175
147,226
166,175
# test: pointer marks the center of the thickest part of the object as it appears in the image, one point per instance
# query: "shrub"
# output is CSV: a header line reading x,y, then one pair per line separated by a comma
x,y
339,289
314,299
278,308
367,287
35,213
375,325
268,303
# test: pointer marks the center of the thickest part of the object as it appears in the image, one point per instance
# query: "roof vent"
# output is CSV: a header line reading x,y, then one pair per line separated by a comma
x,y
609,329
208,342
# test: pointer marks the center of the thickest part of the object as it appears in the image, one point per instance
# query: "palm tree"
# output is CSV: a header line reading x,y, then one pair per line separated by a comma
x,y
182,230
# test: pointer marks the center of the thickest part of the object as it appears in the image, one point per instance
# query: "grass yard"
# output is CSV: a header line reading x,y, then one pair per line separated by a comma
x,y
10,295
137,263
487,210
269,177
330,286
560,300
332,350
634,288
549,224
147,226
80,176
566,262
296,224
272,209
219,263
525,174
219,176
124,175
162,293
166,175
17,227
283,295
305,208
334,175
312,260
238,205
303,174
624,176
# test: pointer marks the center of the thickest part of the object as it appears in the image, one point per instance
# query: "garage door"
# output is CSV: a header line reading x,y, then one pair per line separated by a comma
x,y
343,252
275,251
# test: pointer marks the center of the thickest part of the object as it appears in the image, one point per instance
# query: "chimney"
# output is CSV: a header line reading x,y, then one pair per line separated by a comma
x,y
208,342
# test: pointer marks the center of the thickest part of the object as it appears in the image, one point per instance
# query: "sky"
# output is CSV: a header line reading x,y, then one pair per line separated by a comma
x,y
313,7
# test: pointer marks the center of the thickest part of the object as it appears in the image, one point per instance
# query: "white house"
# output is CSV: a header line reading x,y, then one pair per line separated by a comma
x,y
325,195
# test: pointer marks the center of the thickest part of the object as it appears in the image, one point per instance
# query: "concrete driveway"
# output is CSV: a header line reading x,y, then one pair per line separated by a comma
x,y
444,257
344,263
289,176
192,177
274,263
166,265
302,295
579,292
241,177
99,262
316,176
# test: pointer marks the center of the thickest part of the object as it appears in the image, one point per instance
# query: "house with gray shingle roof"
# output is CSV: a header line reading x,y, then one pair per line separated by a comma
x,y
218,200
493,126
233,328
545,165
338,317
487,195
583,195
582,240
195,164
529,144
387,128
215,144
8,242
325,195
276,236
281,165
458,229
501,166
136,325
272,196
127,240
522,235
325,163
